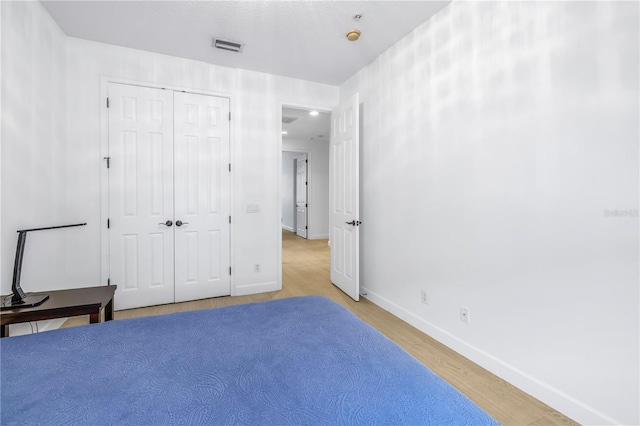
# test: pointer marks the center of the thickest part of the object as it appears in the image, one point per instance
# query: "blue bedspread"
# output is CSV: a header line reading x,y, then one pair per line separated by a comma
x,y
303,360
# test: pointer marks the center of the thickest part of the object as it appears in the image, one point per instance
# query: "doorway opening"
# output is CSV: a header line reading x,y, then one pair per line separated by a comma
x,y
305,141
305,172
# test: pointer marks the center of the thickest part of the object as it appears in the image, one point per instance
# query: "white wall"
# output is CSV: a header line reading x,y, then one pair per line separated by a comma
x,y
34,160
318,178
255,148
1,287
288,186
496,138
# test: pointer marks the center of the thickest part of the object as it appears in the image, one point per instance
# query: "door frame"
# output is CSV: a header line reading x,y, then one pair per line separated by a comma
x,y
278,225
104,152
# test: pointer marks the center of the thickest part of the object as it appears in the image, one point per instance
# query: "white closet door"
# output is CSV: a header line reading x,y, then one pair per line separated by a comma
x,y
141,195
202,200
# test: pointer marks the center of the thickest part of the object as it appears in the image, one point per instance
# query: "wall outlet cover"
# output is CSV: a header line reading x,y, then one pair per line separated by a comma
x,y
464,314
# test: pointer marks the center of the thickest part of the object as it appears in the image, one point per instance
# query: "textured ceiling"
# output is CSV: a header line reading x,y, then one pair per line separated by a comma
x,y
300,39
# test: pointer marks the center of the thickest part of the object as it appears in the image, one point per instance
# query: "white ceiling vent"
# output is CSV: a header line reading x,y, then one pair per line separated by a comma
x,y
289,120
232,46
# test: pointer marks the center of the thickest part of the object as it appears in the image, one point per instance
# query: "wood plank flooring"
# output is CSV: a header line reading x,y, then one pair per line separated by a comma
x,y
305,271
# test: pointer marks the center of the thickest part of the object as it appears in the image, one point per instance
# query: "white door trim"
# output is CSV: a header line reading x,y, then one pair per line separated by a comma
x,y
104,152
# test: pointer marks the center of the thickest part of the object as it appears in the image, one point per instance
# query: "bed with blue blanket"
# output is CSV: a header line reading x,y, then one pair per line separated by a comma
x,y
301,361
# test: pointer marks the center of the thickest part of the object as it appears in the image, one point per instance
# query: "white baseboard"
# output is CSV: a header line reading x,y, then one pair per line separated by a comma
x,y
555,398
319,237
33,327
254,288
288,228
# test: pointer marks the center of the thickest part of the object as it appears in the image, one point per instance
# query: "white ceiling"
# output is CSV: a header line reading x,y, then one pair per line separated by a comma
x,y
300,39
307,127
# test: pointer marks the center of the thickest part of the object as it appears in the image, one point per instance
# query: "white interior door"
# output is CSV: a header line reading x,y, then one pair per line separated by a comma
x,y
202,201
141,195
302,185
344,197
169,196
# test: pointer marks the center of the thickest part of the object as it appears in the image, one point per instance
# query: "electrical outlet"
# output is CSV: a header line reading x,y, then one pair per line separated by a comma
x,y
464,314
256,268
424,298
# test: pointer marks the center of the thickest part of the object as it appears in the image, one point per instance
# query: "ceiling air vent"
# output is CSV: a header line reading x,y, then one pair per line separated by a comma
x,y
289,120
227,45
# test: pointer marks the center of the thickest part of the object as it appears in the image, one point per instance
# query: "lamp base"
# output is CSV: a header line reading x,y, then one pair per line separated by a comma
x,y
28,302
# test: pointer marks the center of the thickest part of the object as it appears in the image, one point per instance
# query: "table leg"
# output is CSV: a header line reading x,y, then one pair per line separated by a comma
x,y
94,317
108,311
4,331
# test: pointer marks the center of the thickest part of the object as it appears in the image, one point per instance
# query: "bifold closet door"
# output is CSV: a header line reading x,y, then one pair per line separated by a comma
x,y
202,199
141,241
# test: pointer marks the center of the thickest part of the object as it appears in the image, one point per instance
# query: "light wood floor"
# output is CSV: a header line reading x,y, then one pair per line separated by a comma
x,y
305,271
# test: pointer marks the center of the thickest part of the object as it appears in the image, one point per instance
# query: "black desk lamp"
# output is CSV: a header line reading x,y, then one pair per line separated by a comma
x,y
18,299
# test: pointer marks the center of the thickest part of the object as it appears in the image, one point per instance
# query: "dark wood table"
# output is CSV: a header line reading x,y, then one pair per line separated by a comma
x,y
64,303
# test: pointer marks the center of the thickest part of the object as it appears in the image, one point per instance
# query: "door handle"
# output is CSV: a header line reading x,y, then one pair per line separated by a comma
x,y
354,223
180,223
167,223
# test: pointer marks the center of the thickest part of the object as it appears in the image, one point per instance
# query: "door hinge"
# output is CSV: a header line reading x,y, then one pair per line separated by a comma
x,y
108,161
107,102
306,183
229,270
306,205
229,167
306,161
229,219
229,115
108,223
108,281
306,227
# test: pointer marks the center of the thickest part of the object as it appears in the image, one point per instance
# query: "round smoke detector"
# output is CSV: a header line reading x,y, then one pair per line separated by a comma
x,y
353,35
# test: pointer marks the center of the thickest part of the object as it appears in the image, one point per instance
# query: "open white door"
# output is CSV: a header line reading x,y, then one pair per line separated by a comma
x,y
301,195
344,197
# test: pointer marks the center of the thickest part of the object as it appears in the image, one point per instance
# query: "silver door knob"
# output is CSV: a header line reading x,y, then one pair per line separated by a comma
x,y
167,223
180,223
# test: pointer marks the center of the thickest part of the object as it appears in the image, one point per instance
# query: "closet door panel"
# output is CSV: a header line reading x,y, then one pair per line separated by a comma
x,y
140,171
202,202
